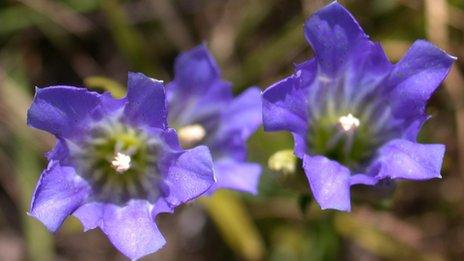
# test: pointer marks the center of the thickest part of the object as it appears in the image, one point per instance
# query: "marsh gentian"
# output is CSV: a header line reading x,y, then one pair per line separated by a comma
x,y
116,164
203,110
355,116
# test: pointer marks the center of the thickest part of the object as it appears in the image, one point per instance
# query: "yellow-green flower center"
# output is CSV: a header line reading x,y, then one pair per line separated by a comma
x,y
120,161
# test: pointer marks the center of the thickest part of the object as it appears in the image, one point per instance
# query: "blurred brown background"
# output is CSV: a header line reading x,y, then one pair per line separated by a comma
x,y
94,43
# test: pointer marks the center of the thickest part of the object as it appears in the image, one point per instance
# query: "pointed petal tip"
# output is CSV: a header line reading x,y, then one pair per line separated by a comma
x,y
329,182
61,110
141,76
236,175
403,159
146,101
284,106
50,226
343,209
333,12
434,47
190,176
132,230
196,69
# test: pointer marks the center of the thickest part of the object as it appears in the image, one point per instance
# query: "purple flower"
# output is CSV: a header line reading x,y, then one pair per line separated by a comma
x,y
203,110
355,116
116,164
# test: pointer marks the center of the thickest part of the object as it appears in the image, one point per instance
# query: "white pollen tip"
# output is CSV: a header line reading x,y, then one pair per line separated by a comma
x,y
191,134
121,162
349,122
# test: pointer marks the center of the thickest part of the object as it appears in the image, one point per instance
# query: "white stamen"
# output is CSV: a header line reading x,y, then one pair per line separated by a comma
x,y
121,162
324,78
349,122
191,134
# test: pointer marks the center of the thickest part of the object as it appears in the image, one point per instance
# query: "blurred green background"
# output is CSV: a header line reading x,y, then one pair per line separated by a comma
x,y
94,43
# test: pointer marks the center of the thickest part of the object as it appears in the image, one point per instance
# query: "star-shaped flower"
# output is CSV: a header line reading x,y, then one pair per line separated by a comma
x,y
354,115
203,110
116,164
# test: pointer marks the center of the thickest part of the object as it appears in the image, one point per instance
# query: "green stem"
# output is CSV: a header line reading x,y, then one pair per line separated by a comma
x,y
233,221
